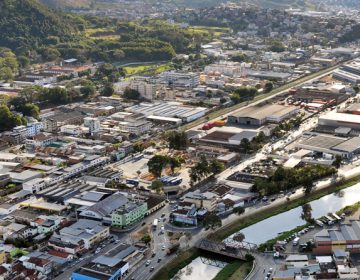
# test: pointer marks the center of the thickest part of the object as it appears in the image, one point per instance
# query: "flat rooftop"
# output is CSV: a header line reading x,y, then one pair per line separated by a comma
x,y
262,112
218,136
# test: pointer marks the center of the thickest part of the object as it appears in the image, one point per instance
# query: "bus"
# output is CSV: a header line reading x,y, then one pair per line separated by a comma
x,y
170,181
319,223
296,241
330,220
155,223
336,216
134,182
137,157
175,181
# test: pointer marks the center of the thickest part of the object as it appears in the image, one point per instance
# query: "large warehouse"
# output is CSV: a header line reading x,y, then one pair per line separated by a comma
x,y
340,119
257,116
169,110
328,144
349,72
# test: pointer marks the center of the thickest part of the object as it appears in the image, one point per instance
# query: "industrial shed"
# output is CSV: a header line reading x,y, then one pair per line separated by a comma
x,y
260,115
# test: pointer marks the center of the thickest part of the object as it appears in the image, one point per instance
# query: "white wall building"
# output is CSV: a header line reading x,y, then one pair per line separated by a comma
x,y
93,124
34,128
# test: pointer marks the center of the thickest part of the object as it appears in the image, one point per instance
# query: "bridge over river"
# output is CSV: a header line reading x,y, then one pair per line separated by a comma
x,y
236,250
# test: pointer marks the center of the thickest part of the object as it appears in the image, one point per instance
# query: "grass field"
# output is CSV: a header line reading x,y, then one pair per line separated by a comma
x,y
207,30
149,69
101,33
235,270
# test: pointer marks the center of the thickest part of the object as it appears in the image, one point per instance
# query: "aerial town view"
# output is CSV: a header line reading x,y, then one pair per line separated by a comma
x,y
179,140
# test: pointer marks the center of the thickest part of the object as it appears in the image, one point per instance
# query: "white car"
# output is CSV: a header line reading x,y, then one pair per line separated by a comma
x,y
163,247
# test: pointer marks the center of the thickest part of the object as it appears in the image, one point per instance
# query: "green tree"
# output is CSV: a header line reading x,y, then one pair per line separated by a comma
x,y
269,86
175,162
131,94
308,184
249,257
212,221
108,73
55,96
177,140
146,239
156,164
239,210
51,54
240,57
8,120
306,214
243,94
6,74
200,170
239,237
24,62
277,46
88,90
108,90
337,162
216,166
157,186
139,147
27,109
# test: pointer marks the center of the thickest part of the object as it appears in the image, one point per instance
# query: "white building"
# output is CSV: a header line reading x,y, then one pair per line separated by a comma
x,y
34,128
42,265
89,231
147,90
21,130
71,129
136,127
93,124
181,79
224,68
34,185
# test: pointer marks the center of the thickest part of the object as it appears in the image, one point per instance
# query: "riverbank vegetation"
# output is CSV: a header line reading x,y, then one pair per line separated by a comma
x,y
234,270
268,245
181,260
284,179
349,209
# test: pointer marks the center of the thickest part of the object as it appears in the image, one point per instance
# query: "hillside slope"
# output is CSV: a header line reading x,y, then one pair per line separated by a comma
x,y
28,24
183,3
60,4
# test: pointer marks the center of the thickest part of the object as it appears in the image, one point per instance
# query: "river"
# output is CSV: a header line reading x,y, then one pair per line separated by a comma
x,y
269,228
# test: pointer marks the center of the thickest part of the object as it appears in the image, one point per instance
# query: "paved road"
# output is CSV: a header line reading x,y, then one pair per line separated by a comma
x,y
159,246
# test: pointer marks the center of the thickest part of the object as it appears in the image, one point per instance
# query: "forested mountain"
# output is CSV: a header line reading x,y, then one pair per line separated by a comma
x,y
39,33
26,24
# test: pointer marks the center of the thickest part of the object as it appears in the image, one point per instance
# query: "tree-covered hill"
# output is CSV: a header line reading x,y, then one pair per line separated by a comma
x,y
27,24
